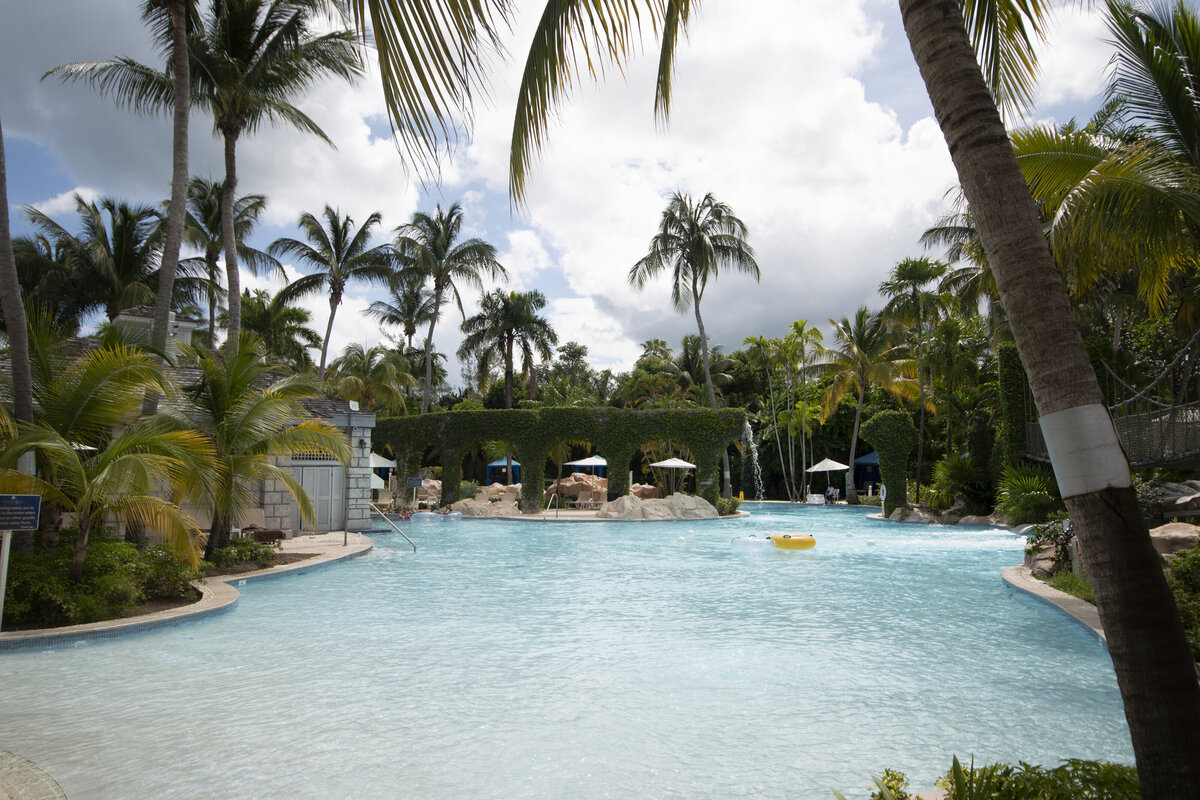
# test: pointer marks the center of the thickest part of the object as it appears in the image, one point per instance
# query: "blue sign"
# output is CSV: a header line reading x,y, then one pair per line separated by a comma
x,y
19,512
414,483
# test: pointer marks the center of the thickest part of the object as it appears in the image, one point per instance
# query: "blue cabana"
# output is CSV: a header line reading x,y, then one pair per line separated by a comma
x,y
499,465
866,470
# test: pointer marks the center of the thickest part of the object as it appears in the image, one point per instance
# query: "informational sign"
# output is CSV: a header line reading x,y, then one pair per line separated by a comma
x,y
414,483
19,512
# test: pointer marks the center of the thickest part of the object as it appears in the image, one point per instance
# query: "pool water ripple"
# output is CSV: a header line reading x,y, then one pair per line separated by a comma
x,y
546,660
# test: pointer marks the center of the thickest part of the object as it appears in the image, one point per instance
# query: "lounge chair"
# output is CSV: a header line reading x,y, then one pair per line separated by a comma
x,y
583,500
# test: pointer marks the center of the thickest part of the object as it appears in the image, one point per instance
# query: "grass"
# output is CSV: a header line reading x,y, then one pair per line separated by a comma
x,y
1073,584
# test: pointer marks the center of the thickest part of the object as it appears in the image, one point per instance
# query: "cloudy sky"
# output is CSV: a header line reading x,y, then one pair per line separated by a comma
x,y
807,117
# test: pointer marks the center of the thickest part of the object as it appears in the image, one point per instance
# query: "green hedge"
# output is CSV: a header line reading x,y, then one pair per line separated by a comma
x,y
615,433
893,435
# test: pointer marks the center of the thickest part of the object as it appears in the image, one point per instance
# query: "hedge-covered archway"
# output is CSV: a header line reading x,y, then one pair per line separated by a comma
x,y
616,433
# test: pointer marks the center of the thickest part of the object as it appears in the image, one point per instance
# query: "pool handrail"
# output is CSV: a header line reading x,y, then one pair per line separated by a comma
x,y
553,499
395,527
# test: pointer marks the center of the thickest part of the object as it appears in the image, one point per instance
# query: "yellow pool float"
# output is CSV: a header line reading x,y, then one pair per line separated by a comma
x,y
785,541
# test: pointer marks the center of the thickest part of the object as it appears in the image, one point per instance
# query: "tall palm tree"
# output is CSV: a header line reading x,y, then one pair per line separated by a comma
x,y
282,328
694,241
798,350
375,377
762,352
338,254
14,309
135,87
410,304
509,323
908,290
864,353
204,230
253,58
250,420
429,244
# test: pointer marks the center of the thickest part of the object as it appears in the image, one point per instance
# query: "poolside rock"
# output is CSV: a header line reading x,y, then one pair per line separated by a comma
x,y
1040,562
1175,536
1183,496
475,508
677,506
576,483
971,519
644,490
430,491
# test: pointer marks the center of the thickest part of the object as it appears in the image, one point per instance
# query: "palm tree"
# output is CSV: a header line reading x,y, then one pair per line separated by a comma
x,y
907,288
138,87
429,244
115,255
338,254
88,469
14,309
375,377
797,351
763,353
251,420
694,241
864,354
282,328
507,323
410,305
204,230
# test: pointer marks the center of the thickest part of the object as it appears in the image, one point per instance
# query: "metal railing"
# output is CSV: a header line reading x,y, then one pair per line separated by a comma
x,y
396,528
553,499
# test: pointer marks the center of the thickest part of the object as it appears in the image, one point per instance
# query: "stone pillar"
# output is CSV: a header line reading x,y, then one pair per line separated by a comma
x,y
358,472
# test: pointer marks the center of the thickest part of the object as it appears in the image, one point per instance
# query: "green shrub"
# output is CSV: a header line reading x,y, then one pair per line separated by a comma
x,y
243,551
1072,780
468,489
1057,532
1027,494
1150,497
1183,576
891,785
116,578
953,478
727,506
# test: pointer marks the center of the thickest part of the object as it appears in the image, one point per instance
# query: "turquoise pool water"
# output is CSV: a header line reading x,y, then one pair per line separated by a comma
x,y
584,660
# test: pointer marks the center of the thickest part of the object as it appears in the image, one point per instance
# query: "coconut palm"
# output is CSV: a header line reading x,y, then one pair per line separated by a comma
x,y
864,353
14,309
88,469
338,254
508,323
115,255
410,304
694,241
146,91
763,353
44,272
252,418
375,377
908,290
429,244
204,231
282,328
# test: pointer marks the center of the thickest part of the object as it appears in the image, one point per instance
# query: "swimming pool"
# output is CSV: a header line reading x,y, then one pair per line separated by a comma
x,y
584,660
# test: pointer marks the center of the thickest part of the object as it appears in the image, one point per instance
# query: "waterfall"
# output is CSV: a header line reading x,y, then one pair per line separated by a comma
x,y
751,449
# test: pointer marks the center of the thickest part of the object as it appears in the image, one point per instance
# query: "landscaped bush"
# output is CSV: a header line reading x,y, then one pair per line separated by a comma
x,y
1074,779
116,578
954,477
1056,532
727,506
1027,494
1183,576
243,551
468,489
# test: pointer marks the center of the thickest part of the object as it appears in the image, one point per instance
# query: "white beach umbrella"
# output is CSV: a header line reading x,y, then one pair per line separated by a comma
x,y
590,461
675,463
827,465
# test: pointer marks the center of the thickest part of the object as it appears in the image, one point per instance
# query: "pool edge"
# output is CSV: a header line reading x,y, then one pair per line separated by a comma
x,y
1083,612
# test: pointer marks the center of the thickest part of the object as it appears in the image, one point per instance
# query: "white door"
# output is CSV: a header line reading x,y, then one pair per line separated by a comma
x,y
326,488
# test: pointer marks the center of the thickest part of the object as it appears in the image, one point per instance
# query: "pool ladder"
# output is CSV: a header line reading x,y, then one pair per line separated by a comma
x,y
388,520
554,500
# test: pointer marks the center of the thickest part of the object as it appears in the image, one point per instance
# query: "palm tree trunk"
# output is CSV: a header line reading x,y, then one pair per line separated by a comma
x,y
851,492
14,308
778,442
791,405
1153,663
233,277
334,299
727,489
210,258
177,209
83,526
921,398
427,394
